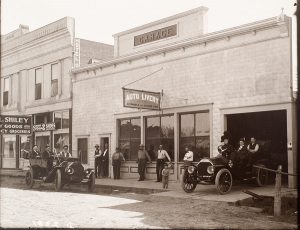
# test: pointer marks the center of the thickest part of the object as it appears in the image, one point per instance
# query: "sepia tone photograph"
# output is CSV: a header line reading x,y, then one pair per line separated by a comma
x,y
149,114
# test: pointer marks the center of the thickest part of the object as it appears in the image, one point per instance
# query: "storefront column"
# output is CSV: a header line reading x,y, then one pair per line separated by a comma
x,y
176,145
143,130
18,151
291,148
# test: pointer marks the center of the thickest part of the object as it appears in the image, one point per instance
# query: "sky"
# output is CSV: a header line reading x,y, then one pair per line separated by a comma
x,y
98,20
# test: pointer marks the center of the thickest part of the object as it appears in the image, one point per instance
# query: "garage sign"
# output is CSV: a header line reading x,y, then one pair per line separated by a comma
x,y
141,99
16,125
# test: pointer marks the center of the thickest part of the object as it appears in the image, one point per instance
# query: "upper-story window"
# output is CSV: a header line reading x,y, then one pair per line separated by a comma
x,y
38,84
54,79
6,91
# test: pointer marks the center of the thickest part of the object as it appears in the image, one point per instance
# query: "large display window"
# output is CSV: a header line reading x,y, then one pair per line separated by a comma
x,y
9,151
160,130
195,133
130,137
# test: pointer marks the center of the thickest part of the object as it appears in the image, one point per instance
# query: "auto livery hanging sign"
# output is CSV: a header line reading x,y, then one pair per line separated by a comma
x,y
16,125
141,99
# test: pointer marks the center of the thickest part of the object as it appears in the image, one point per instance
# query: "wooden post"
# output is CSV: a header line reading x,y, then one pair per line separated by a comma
x,y
277,196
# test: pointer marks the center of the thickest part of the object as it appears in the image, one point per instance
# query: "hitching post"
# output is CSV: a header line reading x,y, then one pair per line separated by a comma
x,y
277,196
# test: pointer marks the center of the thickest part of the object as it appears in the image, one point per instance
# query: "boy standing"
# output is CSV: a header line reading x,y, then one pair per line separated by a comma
x,y
165,176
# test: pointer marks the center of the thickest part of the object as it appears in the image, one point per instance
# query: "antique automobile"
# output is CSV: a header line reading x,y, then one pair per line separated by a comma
x,y
221,172
62,171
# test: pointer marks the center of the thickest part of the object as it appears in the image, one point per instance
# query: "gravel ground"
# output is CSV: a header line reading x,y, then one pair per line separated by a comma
x,y
46,208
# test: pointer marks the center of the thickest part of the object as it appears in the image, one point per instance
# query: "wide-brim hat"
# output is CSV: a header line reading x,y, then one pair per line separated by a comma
x,y
66,146
47,145
96,145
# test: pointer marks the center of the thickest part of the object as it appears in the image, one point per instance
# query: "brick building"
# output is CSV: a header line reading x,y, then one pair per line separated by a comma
x,y
35,80
237,80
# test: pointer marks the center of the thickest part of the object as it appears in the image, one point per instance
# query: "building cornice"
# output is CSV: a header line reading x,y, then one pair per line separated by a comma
x,y
235,31
157,22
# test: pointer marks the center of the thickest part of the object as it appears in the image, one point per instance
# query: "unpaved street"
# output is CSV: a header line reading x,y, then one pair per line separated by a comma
x,y
41,208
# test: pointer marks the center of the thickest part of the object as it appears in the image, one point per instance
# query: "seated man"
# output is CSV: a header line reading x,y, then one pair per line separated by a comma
x,y
65,153
226,149
35,152
242,154
253,149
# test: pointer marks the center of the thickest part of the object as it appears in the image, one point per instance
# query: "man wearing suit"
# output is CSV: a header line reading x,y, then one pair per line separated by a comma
x,y
104,165
48,155
98,158
65,153
35,152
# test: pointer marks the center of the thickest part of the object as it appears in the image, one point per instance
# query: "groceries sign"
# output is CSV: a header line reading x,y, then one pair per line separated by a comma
x,y
43,127
155,35
141,99
15,124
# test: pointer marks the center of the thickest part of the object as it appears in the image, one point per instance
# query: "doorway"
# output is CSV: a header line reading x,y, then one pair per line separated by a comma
x,y
105,148
270,130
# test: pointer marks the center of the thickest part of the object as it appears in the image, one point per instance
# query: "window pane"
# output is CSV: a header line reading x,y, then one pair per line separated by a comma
x,y
83,149
25,145
9,147
38,91
136,128
42,118
168,145
38,76
186,141
152,146
125,127
54,88
202,124
202,148
167,126
5,98
6,84
134,147
65,119
57,120
153,127
60,140
54,71
125,147
187,125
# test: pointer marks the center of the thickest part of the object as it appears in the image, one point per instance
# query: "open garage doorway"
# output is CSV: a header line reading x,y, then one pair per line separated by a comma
x,y
270,130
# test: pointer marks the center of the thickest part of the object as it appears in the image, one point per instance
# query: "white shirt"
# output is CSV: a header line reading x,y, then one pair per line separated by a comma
x,y
188,156
105,151
161,154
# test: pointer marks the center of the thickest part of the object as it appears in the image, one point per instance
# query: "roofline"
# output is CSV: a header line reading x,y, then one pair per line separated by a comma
x,y
266,23
198,9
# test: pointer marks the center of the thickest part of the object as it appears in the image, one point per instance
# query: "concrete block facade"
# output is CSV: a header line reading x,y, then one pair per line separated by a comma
x,y
243,67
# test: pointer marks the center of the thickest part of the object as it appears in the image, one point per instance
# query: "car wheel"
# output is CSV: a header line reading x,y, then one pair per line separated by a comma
x,y
223,181
261,176
188,184
29,178
58,182
91,184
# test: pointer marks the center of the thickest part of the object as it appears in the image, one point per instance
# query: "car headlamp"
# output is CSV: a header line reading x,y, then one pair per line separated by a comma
x,y
70,171
210,169
191,169
230,163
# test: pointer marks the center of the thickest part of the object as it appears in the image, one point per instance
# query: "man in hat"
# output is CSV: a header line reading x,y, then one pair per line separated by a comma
x,y
48,155
225,149
65,153
117,158
143,156
104,161
35,152
188,156
98,158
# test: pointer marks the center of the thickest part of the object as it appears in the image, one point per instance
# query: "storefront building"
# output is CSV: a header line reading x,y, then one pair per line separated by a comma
x,y
36,81
237,80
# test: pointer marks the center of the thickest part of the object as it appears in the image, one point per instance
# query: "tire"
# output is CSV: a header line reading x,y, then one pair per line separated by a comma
x,y
261,176
29,178
187,185
58,182
223,181
91,184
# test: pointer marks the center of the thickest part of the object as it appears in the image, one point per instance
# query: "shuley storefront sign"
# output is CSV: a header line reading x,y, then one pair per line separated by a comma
x,y
15,124
43,127
141,99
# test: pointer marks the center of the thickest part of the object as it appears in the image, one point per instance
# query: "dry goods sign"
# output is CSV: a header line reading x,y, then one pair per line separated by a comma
x,y
141,99
43,127
15,124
